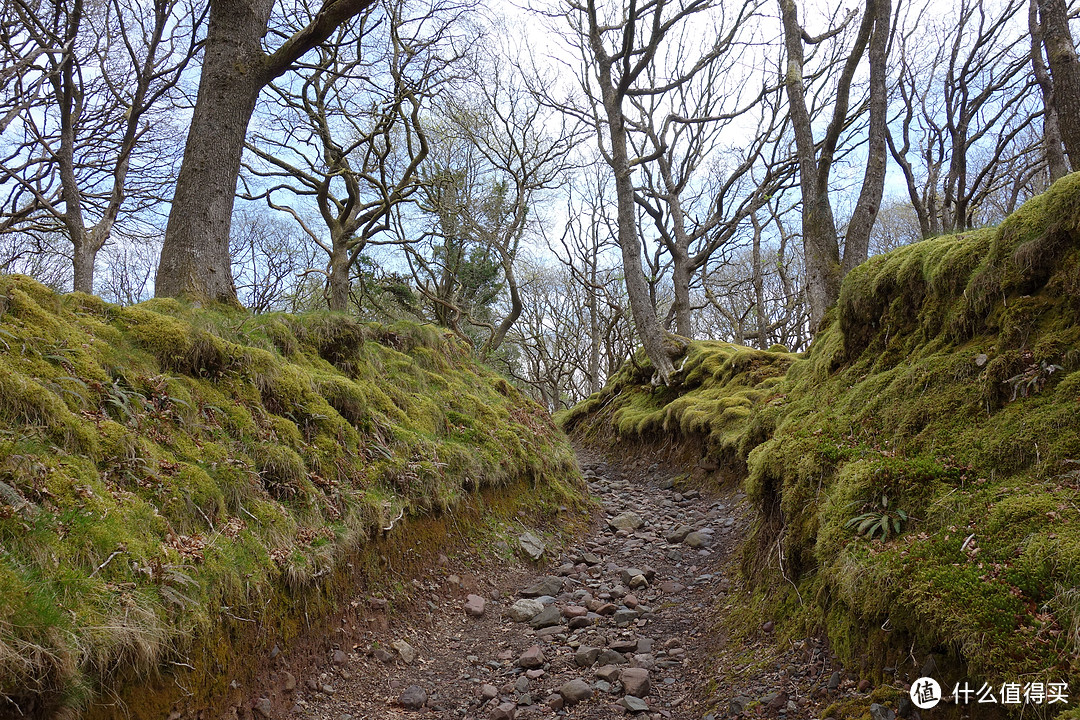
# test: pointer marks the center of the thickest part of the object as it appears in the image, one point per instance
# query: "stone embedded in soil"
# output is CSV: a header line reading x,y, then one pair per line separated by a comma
x,y
531,658
628,520
695,540
547,617
635,681
504,711
474,605
575,691
608,673
679,534
586,656
489,692
383,655
549,585
610,657
405,650
880,712
525,609
263,707
633,704
531,545
288,681
340,658
413,698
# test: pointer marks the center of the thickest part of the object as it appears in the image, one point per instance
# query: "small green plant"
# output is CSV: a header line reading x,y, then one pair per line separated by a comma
x,y
880,520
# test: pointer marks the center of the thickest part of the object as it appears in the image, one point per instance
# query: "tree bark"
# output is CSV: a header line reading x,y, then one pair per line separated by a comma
x,y
857,239
1065,72
195,257
637,289
820,243
339,278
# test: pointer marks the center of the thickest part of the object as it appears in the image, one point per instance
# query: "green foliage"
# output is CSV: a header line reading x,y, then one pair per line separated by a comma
x,y
161,462
946,382
883,520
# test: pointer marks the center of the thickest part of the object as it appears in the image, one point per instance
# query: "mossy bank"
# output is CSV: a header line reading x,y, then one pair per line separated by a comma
x,y
168,474
915,473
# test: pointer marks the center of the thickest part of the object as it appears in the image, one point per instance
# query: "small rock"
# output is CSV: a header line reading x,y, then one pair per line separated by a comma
x,y
340,658
405,650
489,692
555,702
633,704
288,681
413,698
575,691
586,656
474,605
880,712
550,585
695,539
608,673
531,545
531,658
547,617
383,655
263,708
525,609
635,681
981,359
768,626
626,521
864,685
834,680
504,711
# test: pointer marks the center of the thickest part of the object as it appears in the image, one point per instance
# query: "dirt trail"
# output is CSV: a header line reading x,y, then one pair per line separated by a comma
x,y
621,624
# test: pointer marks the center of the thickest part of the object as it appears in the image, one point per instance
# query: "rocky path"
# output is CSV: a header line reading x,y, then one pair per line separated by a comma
x,y
616,626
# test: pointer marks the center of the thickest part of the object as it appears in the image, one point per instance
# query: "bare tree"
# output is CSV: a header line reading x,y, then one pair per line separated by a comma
x,y
965,113
1055,156
344,136
824,266
89,88
618,46
701,188
501,150
195,254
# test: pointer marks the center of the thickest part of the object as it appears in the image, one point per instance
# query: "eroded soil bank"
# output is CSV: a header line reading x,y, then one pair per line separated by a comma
x,y
632,624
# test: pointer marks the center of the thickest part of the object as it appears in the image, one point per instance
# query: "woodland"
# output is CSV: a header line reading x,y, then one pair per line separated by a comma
x,y
281,276
554,197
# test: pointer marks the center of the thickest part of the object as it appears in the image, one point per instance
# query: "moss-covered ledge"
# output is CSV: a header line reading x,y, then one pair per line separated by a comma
x,y
941,400
164,468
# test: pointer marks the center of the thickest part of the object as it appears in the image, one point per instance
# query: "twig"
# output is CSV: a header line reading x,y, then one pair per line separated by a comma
x,y
780,557
107,561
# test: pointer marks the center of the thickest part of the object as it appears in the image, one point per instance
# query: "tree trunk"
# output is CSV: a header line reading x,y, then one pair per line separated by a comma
x,y
339,278
195,255
680,280
1055,157
759,282
637,288
1065,71
857,240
